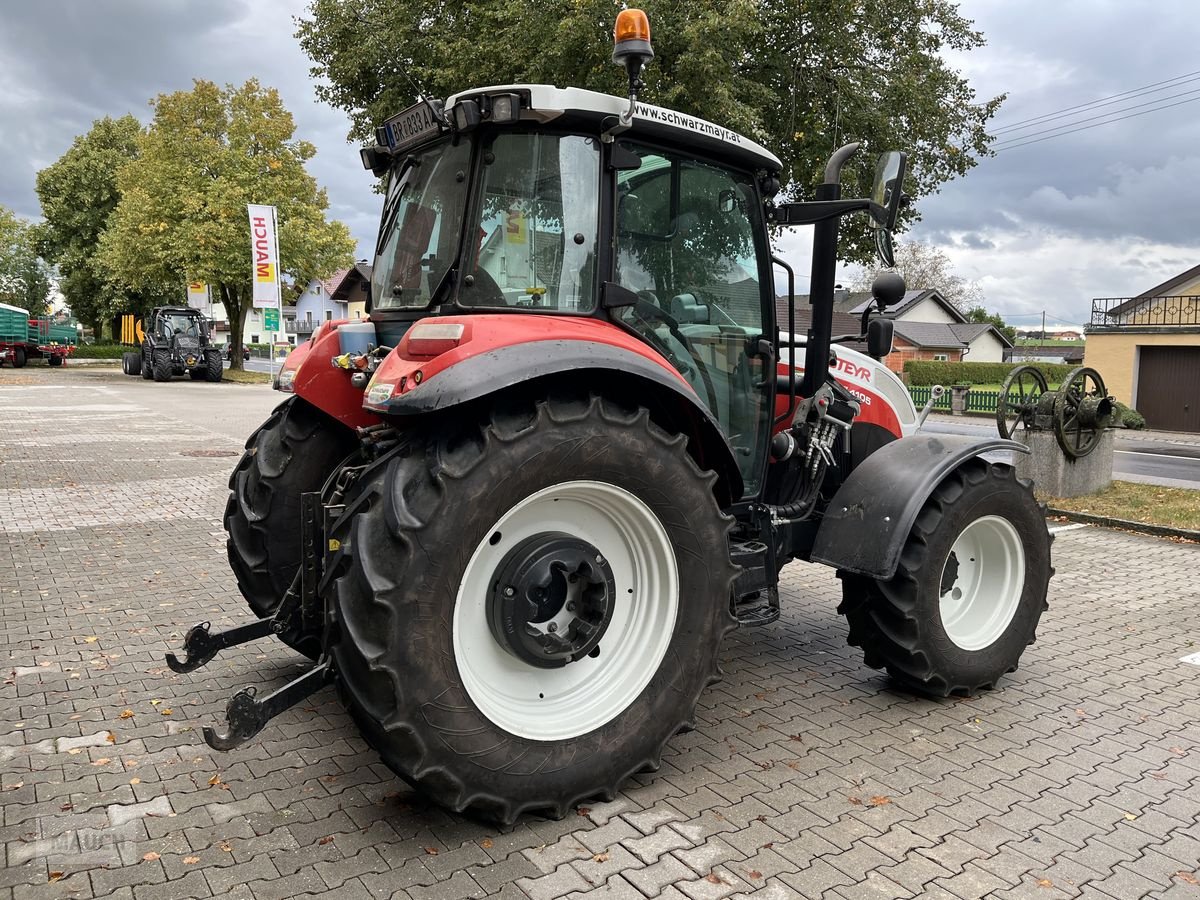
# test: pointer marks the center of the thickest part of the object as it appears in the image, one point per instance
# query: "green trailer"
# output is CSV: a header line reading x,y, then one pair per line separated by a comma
x,y
23,338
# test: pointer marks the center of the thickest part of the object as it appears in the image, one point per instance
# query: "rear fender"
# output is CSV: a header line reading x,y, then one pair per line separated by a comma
x,y
503,352
319,383
869,519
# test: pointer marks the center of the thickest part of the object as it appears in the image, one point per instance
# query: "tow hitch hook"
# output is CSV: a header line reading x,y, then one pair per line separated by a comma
x,y
247,716
200,645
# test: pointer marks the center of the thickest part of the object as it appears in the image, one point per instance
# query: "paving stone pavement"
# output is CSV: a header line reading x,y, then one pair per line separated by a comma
x,y
807,775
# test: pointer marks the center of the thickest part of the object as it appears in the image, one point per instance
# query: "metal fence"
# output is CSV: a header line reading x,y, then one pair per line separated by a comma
x,y
1148,312
984,402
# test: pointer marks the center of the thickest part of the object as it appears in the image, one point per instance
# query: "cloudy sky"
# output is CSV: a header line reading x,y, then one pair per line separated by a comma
x,y
1106,211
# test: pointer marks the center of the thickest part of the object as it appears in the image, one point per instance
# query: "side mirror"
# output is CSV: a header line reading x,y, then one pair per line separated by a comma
x,y
887,190
879,338
886,196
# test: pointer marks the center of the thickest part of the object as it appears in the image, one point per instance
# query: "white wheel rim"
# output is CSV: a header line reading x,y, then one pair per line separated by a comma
x,y
984,598
556,704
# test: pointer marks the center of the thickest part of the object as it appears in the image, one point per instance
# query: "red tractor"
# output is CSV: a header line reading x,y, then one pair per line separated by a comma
x,y
513,516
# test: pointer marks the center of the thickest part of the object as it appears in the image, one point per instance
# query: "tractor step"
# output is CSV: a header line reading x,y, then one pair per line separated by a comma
x,y
201,645
246,716
750,615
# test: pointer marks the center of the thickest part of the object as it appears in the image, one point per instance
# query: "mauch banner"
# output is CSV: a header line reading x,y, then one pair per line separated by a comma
x,y
265,255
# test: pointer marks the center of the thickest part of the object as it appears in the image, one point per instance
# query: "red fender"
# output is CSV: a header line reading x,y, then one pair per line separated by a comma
x,y
412,371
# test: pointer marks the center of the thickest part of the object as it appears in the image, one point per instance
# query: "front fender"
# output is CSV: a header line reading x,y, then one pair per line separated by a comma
x,y
870,517
326,388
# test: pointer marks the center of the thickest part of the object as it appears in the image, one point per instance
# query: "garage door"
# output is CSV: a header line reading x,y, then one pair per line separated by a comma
x,y
1168,392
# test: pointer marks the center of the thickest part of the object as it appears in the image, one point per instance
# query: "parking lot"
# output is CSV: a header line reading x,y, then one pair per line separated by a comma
x,y
807,776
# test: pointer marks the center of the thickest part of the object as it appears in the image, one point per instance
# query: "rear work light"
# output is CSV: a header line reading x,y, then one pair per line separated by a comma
x,y
434,338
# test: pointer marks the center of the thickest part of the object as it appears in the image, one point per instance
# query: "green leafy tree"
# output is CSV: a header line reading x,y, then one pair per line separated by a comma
x,y
802,78
78,193
926,267
182,216
24,278
983,317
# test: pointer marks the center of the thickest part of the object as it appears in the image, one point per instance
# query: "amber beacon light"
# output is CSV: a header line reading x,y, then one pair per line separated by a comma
x,y
631,49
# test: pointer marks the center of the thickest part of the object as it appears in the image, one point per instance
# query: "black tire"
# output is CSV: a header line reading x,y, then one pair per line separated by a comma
x,y
162,369
146,366
54,360
19,358
416,519
293,452
898,623
215,368
127,363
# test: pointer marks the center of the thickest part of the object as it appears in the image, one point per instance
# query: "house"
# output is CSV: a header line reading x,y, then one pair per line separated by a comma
x,y
342,295
927,326
1147,350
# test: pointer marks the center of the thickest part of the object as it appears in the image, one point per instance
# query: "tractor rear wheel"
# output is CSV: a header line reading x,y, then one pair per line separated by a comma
x,y
522,617
970,589
292,453
215,367
162,364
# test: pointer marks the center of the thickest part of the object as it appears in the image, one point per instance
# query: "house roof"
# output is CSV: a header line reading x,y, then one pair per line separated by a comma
x,y
968,331
910,299
343,279
1170,284
930,335
843,323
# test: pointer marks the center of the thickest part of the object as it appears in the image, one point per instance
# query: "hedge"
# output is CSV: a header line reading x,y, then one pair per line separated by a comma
x,y
923,372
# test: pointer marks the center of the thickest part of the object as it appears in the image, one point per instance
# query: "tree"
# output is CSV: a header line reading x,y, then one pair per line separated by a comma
x,y
982,316
182,215
802,78
24,278
925,267
78,193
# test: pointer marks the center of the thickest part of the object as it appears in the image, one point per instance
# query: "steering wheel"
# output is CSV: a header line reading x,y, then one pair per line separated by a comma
x,y
648,308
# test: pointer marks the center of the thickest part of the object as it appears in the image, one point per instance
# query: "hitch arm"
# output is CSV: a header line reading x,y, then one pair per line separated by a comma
x,y
201,645
247,716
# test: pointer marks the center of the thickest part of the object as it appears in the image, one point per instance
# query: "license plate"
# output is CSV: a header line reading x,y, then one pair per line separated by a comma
x,y
411,126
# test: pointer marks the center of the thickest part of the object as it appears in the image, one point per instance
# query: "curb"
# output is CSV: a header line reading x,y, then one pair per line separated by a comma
x,y
1125,525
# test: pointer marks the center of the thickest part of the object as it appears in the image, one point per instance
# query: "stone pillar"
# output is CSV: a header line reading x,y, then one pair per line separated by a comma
x,y
1055,474
958,399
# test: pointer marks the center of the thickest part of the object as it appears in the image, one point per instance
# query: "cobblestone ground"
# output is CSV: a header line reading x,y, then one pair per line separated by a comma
x,y
807,776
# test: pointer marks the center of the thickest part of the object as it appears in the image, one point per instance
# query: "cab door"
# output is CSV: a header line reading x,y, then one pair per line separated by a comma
x,y
691,243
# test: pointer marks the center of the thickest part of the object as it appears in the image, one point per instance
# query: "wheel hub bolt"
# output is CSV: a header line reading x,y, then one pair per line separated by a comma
x,y
508,591
552,627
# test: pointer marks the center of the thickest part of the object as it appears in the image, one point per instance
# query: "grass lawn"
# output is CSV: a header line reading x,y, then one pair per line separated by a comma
x,y
241,376
1149,503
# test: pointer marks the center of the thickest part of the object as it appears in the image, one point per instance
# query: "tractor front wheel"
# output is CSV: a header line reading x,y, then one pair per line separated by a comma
x,y
527,609
292,453
215,367
162,364
970,589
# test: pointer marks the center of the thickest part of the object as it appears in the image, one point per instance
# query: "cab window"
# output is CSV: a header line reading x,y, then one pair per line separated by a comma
x,y
689,240
535,242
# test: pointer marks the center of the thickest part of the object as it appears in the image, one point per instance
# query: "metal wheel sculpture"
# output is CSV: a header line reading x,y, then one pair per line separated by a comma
x,y
1019,397
1082,410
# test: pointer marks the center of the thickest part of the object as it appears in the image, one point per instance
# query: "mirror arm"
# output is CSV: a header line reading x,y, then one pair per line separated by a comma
x,y
809,212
